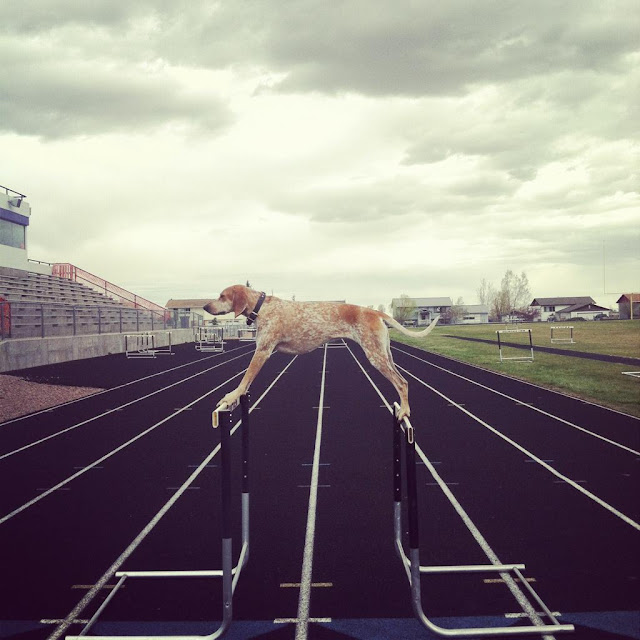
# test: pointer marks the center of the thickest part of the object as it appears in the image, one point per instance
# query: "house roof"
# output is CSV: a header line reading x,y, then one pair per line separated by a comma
x,y
423,302
629,297
545,302
187,304
582,307
475,308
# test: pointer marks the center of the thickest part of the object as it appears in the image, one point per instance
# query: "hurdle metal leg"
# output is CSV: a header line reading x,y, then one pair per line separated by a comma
x,y
403,436
222,418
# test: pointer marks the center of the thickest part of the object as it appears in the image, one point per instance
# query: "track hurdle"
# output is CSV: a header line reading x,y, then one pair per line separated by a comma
x,y
210,339
563,337
222,418
403,436
144,345
247,335
528,358
140,345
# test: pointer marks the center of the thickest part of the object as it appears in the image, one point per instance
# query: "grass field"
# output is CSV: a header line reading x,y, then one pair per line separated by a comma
x,y
600,382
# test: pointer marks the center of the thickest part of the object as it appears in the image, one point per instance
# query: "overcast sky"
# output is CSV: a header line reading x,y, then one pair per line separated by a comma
x,y
354,150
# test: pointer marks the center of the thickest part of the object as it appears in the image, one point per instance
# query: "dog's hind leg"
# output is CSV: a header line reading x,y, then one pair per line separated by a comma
x,y
378,350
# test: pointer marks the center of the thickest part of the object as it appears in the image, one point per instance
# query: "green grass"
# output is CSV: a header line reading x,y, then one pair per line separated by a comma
x,y
599,382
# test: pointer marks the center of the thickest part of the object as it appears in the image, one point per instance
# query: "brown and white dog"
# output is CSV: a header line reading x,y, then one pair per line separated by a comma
x,y
300,327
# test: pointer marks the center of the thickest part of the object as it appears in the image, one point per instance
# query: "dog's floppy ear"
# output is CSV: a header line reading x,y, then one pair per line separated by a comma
x,y
240,302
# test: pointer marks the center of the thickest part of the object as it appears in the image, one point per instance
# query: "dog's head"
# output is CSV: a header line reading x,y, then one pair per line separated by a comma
x,y
232,299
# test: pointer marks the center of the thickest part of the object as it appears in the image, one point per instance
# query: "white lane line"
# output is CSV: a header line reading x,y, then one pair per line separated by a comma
x,y
524,404
61,484
302,622
99,393
119,408
521,598
109,573
533,457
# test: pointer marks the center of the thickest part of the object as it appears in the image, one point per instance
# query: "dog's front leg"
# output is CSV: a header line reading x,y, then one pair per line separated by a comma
x,y
258,360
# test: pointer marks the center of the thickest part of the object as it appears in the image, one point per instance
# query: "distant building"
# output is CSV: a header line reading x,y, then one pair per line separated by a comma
x,y
584,311
629,306
548,307
419,311
474,314
187,313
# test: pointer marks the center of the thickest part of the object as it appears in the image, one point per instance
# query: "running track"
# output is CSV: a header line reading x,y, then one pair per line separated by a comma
x,y
519,474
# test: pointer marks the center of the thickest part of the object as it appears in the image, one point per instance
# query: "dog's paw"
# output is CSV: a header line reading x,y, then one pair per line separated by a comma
x,y
229,399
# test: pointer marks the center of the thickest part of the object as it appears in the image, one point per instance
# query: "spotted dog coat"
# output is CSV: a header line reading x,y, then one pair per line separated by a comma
x,y
300,327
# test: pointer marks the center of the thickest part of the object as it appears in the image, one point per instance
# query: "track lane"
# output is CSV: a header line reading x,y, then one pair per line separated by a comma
x,y
567,540
63,538
609,423
22,433
575,555
605,470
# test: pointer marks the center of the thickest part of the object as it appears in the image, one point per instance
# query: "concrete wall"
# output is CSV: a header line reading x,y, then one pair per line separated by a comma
x,y
33,352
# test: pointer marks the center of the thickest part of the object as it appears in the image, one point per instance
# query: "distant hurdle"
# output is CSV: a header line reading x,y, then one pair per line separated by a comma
x,y
222,419
144,345
510,574
210,339
566,335
527,358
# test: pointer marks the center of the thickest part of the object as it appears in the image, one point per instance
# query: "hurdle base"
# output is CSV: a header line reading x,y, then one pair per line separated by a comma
x,y
509,572
222,417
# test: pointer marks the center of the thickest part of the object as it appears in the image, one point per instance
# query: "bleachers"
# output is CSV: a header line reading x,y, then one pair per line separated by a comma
x,y
45,306
36,287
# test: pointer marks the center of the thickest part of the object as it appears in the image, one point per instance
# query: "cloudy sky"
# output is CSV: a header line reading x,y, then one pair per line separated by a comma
x,y
351,149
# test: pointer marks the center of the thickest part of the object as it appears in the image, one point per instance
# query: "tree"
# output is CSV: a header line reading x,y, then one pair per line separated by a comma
x,y
486,293
514,294
405,310
453,314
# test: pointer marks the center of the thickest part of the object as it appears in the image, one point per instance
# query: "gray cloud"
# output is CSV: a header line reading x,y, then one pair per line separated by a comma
x,y
432,141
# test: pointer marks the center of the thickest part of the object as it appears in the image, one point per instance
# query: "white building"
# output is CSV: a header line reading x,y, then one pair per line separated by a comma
x,y
474,314
15,213
567,308
419,311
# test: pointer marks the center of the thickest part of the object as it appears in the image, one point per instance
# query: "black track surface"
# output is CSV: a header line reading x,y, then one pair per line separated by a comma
x,y
583,555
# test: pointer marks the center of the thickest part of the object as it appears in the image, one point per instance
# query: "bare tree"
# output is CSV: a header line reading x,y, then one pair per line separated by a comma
x,y
453,314
405,310
486,293
514,294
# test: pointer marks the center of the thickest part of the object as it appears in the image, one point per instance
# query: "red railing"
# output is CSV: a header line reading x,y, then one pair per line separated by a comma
x,y
5,318
71,272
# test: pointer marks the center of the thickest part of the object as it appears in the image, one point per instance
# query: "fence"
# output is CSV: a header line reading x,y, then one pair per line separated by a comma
x,y
42,319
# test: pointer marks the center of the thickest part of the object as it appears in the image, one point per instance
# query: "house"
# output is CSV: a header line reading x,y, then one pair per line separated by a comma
x,y
580,312
629,306
419,311
568,308
547,307
187,313
474,314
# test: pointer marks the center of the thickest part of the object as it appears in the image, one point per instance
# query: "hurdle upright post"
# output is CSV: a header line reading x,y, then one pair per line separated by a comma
x,y
411,562
225,423
222,418
244,404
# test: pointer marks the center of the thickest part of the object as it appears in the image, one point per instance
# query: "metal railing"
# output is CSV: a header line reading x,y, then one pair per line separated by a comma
x,y
71,272
47,319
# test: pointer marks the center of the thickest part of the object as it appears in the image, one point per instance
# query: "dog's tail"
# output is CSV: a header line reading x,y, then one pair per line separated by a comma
x,y
414,334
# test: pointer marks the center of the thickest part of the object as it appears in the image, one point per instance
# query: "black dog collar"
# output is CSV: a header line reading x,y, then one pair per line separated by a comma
x,y
251,318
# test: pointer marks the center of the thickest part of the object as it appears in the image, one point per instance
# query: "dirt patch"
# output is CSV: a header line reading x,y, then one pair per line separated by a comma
x,y
19,397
